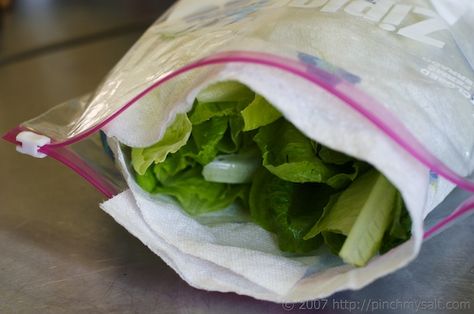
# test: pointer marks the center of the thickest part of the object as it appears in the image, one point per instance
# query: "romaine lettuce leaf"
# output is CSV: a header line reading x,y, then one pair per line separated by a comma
x,y
232,140
290,155
206,137
224,99
198,196
175,137
365,238
204,111
147,181
288,209
362,213
174,164
259,113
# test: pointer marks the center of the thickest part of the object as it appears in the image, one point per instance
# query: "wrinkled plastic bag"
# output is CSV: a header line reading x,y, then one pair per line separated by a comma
x,y
408,62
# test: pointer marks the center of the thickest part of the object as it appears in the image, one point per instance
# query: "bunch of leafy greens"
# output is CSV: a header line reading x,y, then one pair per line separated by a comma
x,y
234,147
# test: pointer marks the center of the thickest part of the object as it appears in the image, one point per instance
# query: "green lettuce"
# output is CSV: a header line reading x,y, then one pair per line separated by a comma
x,y
175,137
147,181
259,113
174,164
290,155
288,209
198,196
305,193
362,214
400,228
206,137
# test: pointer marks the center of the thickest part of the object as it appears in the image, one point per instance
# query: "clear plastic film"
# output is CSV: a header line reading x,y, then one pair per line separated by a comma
x,y
396,63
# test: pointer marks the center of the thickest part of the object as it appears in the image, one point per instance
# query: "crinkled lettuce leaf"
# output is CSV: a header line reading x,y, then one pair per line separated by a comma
x,y
288,209
290,155
205,111
147,181
259,113
174,164
175,137
232,140
198,196
206,137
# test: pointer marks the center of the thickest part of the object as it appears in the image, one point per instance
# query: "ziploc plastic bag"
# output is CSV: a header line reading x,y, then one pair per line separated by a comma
x,y
388,82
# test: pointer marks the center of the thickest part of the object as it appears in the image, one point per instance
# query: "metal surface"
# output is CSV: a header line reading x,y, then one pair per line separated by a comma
x,y
61,253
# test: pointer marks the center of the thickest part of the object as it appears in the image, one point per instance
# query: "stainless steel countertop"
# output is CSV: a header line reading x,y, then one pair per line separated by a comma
x,y
61,253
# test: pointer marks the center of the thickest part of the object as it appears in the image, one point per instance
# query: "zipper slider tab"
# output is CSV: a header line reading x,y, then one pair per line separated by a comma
x,y
31,143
